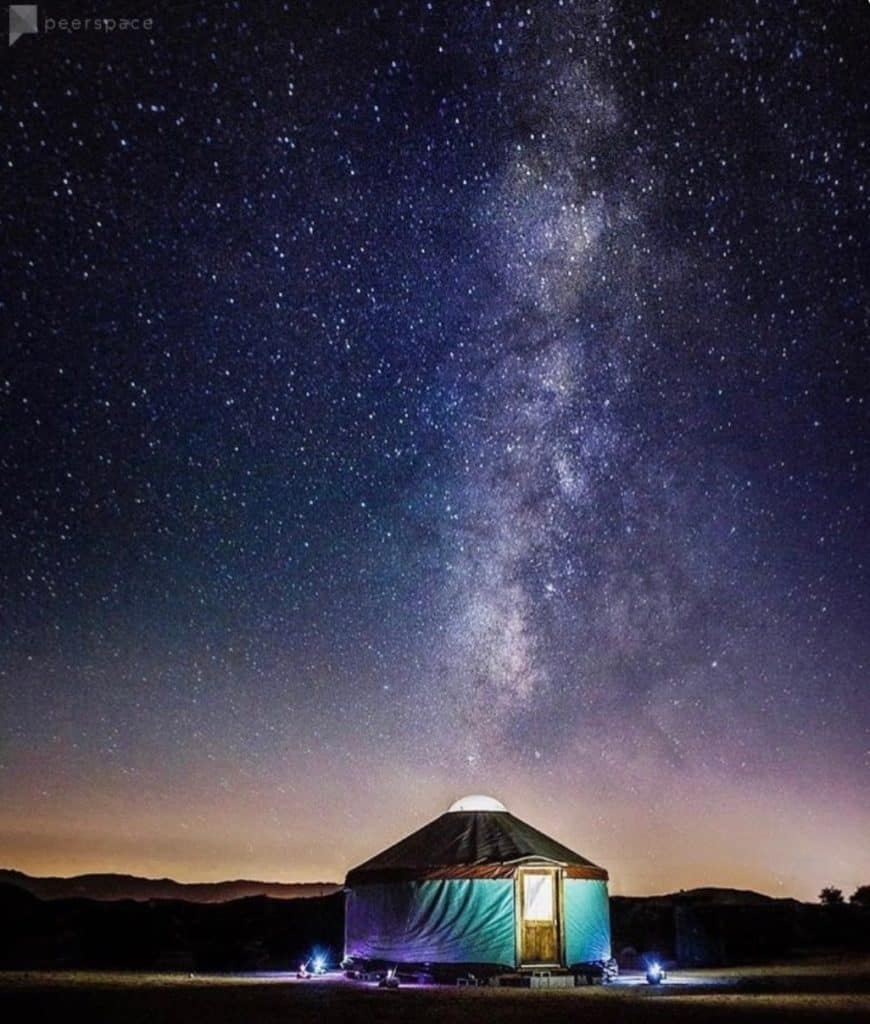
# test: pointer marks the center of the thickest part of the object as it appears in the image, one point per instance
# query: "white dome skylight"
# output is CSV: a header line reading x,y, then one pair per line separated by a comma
x,y
477,802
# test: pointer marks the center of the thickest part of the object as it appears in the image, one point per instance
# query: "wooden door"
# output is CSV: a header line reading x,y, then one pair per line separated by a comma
x,y
539,916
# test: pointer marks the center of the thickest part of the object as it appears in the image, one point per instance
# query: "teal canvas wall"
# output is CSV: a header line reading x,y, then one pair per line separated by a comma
x,y
438,921
465,921
587,921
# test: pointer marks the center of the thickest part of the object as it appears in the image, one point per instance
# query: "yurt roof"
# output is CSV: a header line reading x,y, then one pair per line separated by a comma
x,y
471,843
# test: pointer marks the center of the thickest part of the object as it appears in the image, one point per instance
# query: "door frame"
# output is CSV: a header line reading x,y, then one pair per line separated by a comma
x,y
558,907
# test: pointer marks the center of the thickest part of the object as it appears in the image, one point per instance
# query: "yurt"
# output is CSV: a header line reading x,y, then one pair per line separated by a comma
x,y
477,886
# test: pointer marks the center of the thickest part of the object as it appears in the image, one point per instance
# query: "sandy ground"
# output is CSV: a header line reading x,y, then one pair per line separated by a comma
x,y
831,990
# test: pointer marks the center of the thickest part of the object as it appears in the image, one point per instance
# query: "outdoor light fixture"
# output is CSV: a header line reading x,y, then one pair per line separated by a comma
x,y
315,964
654,974
390,981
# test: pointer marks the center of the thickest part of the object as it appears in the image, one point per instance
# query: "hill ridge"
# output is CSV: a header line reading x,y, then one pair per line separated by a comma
x,y
111,886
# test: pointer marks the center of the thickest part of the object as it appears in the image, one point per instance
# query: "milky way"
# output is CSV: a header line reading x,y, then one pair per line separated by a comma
x,y
429,398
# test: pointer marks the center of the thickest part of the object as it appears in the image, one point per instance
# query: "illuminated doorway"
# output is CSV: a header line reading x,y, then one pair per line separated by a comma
x,y
539,917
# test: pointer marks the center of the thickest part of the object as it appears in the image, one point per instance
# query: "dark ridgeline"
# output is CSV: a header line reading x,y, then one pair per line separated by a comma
x,y
256,933
716,927
132,887
700,927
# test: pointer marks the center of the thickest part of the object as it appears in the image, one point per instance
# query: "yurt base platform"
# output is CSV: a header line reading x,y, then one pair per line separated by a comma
x,y
539,979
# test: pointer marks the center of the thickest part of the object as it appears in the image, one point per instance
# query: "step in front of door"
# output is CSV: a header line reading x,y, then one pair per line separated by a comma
x,y
552,981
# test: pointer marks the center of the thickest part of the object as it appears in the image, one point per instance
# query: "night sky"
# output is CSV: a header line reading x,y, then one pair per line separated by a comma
x,y
402,401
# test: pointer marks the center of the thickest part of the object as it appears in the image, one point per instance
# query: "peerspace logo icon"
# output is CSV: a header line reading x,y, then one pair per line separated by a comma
x,y
23,20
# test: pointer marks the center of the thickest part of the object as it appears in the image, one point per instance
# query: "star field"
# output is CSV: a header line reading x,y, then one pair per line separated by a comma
x,y
407,400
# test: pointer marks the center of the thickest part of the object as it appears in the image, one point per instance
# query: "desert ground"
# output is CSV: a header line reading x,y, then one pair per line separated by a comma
x,y
830,989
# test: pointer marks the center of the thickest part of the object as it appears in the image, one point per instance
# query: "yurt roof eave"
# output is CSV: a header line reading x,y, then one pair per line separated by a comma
x,y
375,875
